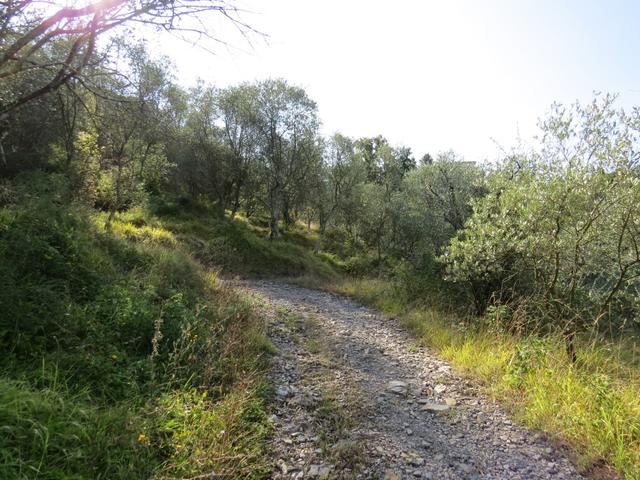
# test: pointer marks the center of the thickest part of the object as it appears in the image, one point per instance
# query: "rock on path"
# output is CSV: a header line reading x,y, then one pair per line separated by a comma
x,y
410,415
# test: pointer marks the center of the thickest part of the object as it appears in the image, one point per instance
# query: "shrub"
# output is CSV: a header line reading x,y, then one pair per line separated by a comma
x,y
561,231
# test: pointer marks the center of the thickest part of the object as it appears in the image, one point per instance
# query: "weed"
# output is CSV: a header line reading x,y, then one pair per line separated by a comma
x,y
313,345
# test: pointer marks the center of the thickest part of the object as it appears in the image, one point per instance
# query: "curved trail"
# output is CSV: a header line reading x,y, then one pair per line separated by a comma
x,y
356,398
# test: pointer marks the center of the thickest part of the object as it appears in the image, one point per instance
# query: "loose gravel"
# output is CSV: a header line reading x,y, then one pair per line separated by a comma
x,y
355,397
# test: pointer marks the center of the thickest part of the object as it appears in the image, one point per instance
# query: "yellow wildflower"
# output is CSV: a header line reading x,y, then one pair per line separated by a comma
x,y
141,437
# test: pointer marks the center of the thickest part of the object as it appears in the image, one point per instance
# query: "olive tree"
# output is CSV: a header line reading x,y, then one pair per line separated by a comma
x,y
126,118
341,173
237,112
438,196
560,225
287,124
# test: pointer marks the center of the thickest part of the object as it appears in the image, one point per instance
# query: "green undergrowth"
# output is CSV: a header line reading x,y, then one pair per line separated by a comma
x,y
123,357
592,406
241,246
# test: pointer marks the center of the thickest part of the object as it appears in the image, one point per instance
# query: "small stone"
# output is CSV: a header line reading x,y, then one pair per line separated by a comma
x,y
282,392
439,388
465,468
391,475
452,402
283,467
318,471
434,407
397,387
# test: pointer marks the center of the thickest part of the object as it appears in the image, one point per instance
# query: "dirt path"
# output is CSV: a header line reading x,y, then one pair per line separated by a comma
x,y
356,398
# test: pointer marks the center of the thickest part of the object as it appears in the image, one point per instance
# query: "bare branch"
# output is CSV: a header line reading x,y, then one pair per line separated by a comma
x,y
27,34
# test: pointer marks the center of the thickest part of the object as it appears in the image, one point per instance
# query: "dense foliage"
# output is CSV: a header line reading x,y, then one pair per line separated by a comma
x,y
557,234
550,232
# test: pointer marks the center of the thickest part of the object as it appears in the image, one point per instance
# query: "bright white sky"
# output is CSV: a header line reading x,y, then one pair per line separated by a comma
x,y
432,75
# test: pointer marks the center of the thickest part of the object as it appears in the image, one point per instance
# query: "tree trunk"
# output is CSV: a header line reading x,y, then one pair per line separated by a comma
x,y
236,200
286,213
379,249
112,213
322,222
273,224
481,294
275,207
235,208
570,344
117,201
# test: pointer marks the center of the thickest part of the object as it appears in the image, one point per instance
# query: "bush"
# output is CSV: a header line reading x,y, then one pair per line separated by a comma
x,y
47,263
360,266
561,230
339,242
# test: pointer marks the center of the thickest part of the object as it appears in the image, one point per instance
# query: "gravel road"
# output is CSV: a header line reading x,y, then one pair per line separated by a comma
x,y
355,397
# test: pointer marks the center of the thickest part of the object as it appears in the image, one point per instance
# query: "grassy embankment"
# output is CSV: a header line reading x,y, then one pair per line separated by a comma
x,y
592,406
123,354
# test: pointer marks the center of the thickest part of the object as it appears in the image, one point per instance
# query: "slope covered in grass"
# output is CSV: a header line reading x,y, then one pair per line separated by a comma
x,y
123,357
242,246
